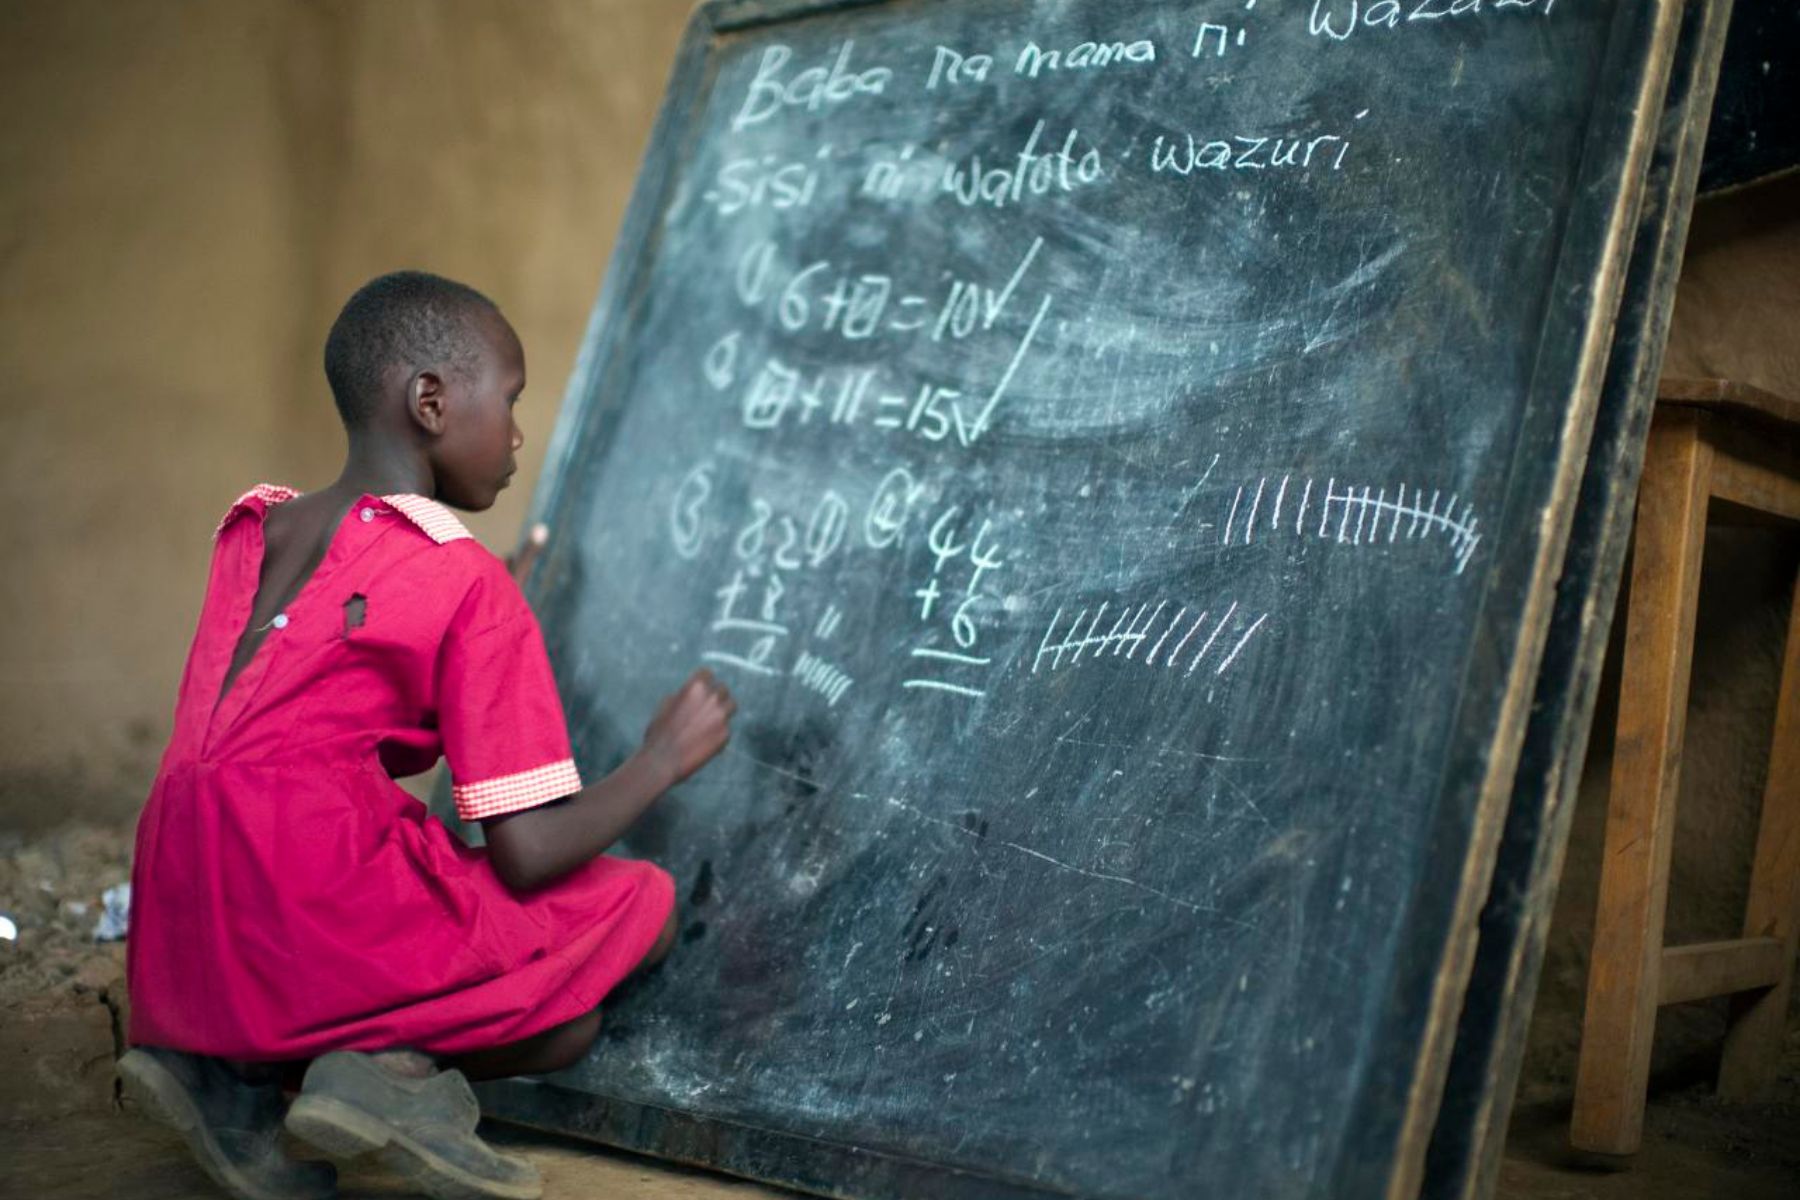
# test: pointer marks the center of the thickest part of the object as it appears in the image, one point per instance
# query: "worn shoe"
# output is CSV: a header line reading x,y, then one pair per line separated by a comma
x,y
232,1126
423,1128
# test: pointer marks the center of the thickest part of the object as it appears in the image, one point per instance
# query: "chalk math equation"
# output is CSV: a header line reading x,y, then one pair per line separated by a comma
x,y
873,412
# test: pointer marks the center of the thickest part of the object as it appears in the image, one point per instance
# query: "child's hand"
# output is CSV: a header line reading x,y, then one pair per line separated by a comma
x,y
690,726
518,563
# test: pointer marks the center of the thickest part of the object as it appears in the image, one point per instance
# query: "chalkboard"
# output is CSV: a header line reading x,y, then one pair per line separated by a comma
x,y
1120,454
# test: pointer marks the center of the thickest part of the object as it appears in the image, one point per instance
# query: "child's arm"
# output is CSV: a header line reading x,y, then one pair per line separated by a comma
x,y
536,847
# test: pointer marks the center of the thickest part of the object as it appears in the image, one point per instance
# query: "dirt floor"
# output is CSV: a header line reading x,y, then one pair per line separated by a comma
x,y
1693,1150
64,1134
1694,1147
120,1157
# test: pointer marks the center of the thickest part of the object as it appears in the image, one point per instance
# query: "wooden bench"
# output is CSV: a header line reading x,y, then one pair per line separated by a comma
x,y
1709,440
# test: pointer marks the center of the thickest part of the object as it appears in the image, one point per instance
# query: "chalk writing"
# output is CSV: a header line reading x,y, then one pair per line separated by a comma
x,y
845,395
1338,19
884,522
780,536
1244,152
685,512
1222,38
757,633
778,389
720,364
902,174
771,548
950,548
745,183
1033,59
859,304
1130,628
822,677
1029,172
857,337
950,67
1350,515
944,549
810,90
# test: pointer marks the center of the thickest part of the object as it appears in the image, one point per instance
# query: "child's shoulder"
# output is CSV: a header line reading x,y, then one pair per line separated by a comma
x,y
431,550
474,584
258,501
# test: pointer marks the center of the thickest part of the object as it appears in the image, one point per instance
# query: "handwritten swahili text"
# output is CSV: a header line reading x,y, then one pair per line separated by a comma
x,y
1339,19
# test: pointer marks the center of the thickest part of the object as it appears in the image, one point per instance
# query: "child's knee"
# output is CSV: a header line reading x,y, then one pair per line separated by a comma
x,y
568,1043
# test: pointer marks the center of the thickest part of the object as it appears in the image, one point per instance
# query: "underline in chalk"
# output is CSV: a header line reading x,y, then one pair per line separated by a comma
x,y
746,625
943,687
732,660
948,656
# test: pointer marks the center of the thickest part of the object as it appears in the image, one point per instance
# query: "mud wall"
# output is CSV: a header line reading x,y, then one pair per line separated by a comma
x,y
188,189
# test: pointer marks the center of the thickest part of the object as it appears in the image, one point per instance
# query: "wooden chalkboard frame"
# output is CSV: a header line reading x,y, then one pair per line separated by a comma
x,y
1386,1152
1636,111
1468,1142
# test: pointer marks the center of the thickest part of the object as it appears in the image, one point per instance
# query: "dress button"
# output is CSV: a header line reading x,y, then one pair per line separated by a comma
x,y
368,514
280,621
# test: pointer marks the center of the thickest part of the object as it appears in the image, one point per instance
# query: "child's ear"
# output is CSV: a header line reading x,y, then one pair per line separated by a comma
x,y
425,401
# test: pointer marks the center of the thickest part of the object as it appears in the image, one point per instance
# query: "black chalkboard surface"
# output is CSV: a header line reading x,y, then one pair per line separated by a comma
x,y
1120,454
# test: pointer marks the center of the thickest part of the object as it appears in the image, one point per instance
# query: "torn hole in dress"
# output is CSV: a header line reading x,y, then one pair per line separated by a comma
x,y
356,610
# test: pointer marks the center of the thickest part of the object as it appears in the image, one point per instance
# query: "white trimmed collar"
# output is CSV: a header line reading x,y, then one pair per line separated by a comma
x,y
438,522
433,519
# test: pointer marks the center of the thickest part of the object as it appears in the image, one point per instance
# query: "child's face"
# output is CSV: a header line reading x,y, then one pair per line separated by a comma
x,y
473,458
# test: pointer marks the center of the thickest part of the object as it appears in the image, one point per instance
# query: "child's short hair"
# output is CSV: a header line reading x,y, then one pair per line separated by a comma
x,y
411,318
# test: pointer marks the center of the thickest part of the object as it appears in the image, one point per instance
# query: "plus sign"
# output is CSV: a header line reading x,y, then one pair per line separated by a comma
x,y
928,594
728,595
835,301
811,399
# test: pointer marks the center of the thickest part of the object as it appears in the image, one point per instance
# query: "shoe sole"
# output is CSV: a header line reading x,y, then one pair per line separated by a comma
x,y
163,1098
345,1131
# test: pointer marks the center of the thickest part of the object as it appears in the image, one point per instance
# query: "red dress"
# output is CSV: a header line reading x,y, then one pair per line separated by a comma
x,y
288,897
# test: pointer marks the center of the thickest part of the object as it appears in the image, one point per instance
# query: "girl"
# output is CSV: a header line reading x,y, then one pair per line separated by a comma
x,y
292,902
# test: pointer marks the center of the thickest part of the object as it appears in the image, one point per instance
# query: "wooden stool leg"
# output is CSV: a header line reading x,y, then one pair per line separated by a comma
x,y
1623,976
1759,1019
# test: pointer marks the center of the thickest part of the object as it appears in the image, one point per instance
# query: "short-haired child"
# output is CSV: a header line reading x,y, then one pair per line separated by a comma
x,y
291,902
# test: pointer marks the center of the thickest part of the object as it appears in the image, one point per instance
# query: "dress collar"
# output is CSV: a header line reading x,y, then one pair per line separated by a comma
x,y
433,519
